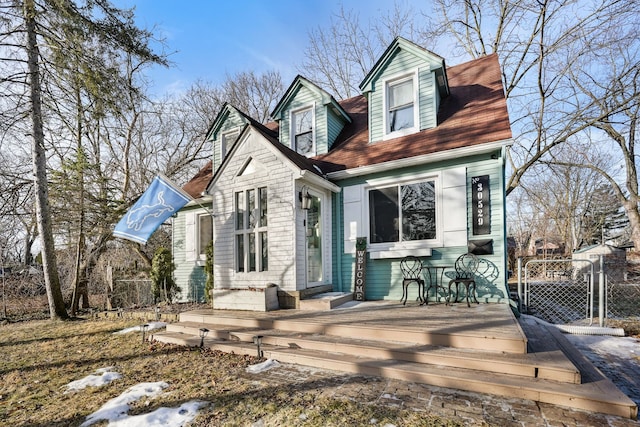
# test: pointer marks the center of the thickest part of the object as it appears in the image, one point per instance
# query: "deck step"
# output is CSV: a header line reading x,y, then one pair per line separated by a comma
x,y
550,365
599,395
326,300
480,349
463,339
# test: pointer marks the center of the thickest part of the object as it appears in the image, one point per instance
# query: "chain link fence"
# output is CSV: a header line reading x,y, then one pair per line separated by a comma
x,y
623,299
129,293
567,291
559,291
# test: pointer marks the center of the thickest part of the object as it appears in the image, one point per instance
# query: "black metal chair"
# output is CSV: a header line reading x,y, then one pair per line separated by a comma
x,y
466,266
411,267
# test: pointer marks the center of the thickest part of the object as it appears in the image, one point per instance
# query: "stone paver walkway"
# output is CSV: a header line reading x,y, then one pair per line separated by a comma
x,y
472,409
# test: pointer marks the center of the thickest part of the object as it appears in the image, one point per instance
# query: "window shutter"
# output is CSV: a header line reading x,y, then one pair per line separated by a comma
x,y
454,207
190,236
353,218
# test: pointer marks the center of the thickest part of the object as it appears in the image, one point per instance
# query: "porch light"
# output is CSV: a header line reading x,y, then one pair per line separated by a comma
x,y
203,334
144,328
305,198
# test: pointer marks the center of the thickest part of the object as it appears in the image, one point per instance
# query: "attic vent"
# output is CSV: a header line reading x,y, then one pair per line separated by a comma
x,y
248,168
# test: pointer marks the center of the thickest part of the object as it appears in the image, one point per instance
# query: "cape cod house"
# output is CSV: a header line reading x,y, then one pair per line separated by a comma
x,y
414,165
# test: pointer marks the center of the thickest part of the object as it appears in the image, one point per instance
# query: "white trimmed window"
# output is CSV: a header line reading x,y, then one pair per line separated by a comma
x,y
403,212
401,106
302,132
226,141
205,233
198,234
251,245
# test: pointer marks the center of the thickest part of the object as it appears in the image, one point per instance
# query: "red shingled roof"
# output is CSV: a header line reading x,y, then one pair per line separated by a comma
x,y
199,182
474,113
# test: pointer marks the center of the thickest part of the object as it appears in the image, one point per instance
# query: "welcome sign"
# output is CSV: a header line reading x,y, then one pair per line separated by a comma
x,y
361,268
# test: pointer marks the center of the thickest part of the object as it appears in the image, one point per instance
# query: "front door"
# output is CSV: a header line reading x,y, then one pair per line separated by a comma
x,y
314,243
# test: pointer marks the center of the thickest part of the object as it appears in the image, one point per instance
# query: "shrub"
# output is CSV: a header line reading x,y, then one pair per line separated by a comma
x,y
208,269
162,284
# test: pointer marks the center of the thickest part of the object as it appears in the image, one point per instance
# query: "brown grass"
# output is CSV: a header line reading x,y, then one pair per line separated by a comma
x,y
40,357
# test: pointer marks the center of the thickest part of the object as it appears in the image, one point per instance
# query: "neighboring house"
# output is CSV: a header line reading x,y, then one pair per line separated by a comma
x,y
547,248
615,261
415,165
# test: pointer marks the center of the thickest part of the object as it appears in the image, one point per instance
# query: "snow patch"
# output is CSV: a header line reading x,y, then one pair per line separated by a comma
x,y
151,326
116,409
262,367
103,377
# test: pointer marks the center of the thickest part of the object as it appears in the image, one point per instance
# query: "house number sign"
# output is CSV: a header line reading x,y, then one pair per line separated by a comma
x,y
361,268
481,205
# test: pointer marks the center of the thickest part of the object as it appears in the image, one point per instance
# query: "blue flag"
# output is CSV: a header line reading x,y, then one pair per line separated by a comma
x,y
161,200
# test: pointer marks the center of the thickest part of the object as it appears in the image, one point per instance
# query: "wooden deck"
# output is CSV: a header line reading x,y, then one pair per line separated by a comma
x,y
483,348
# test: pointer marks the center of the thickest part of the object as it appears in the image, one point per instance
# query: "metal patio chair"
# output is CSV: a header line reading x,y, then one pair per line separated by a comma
x,y
411,267
466,266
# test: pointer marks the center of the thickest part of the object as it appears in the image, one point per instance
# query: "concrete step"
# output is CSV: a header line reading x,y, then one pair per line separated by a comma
x,y
598,395
326,301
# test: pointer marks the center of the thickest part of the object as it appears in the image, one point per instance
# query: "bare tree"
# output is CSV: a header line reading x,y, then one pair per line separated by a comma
x,y
255,95
539,43
569,66
338,57
37,38
568,195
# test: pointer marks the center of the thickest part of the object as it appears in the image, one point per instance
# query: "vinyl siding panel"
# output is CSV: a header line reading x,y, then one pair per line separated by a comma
x,y
489,286
427,102
272,173
335,123
384,278
305,98
404,63
234,121
189,275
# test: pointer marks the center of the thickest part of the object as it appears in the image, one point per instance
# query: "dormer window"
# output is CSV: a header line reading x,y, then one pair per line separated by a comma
x,y
302,132
401,106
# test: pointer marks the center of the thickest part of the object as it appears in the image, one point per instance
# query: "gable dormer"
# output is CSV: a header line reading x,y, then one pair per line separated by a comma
x,y
224,132
404,90
309,118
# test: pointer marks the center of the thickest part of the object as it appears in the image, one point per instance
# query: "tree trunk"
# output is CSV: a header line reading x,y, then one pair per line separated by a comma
x,y
80,281
52,280
631,208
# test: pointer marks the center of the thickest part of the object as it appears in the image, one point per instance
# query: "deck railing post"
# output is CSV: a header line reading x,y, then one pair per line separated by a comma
x,y
601,310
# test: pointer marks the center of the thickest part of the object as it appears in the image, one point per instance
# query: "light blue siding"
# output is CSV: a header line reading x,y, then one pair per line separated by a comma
x,y
335,123
403,63
189,276
233,121
384,278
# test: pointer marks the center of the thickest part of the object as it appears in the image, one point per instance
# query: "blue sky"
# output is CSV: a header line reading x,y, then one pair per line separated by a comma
x,y
212,38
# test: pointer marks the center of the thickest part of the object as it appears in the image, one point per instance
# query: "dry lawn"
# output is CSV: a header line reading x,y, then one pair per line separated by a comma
x,y
38,358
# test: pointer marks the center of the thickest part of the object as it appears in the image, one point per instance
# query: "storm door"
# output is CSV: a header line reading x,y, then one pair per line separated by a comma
x,y
314,242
